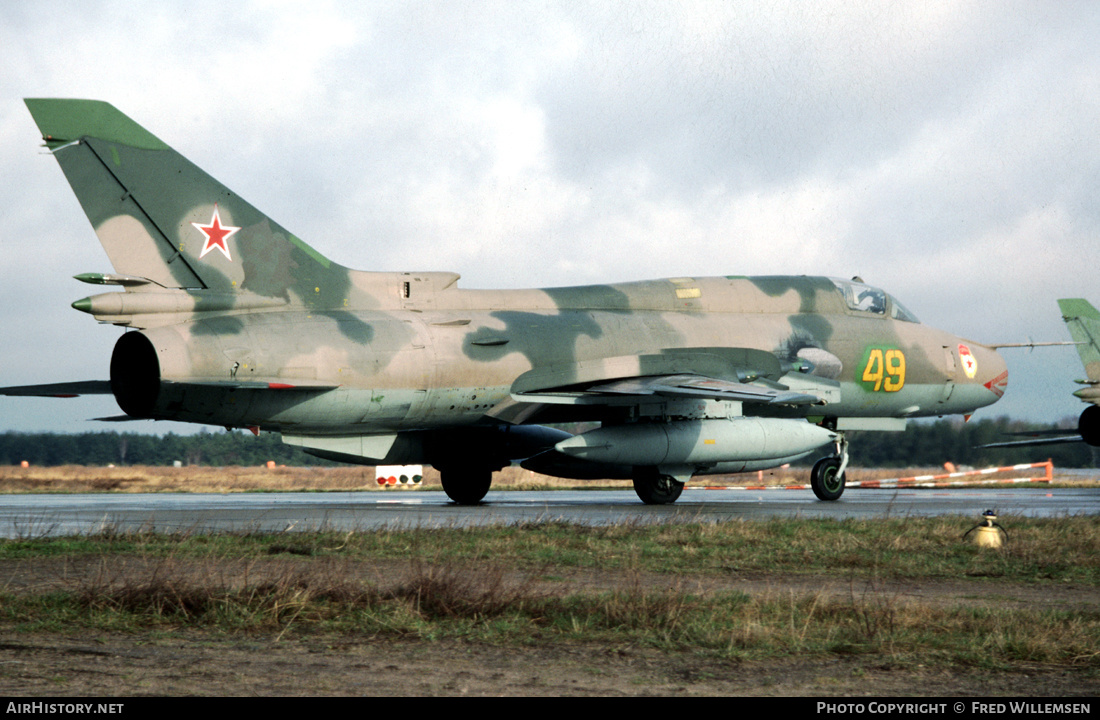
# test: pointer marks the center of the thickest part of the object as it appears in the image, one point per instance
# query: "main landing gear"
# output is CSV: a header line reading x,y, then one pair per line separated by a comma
x,y
827,478
655,488
466,486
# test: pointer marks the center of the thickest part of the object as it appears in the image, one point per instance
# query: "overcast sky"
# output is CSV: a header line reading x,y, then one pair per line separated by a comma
x,y
948,152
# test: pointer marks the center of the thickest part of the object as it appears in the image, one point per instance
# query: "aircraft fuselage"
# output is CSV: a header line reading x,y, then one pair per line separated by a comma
x,y
451,356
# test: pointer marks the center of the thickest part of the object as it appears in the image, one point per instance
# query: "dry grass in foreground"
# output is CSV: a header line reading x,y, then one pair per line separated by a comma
x,y
800,607
201,479
495,604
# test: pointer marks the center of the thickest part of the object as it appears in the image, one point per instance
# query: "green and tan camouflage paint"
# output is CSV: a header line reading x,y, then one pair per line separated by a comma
x,y
239,323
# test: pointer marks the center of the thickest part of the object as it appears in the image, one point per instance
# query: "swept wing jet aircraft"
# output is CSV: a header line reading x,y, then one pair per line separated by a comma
x,y
234,321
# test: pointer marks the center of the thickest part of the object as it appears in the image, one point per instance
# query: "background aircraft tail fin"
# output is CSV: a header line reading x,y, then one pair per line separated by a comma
x,y
162,218
1083,321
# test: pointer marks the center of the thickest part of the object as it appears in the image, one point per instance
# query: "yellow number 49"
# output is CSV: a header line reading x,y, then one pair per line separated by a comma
x,y
885,370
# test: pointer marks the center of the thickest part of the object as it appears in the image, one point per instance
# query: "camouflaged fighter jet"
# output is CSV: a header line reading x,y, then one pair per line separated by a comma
x,y
236,322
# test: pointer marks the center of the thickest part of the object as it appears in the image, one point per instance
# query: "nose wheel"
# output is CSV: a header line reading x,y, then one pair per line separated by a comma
x,y
828,476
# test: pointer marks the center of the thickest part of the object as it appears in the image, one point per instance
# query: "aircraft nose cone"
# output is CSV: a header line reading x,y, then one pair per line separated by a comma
x,y
981,380
992,373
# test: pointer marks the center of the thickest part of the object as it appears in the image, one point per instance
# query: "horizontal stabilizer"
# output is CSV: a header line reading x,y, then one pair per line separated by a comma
x,y
61,390
270,384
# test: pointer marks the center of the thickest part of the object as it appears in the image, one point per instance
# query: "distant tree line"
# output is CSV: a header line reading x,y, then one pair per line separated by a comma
x,y
928,444
923,444
217,449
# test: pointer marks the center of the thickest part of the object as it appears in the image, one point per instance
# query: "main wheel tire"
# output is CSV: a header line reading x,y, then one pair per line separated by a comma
x,y
827,483
654,488
1089,425
466,487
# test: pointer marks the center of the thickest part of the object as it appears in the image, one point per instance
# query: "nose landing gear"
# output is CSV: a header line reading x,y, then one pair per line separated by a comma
x,y
827,478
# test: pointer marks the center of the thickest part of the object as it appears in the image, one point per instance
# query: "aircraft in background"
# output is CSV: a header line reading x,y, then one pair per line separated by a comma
x,y
1083,322
233,321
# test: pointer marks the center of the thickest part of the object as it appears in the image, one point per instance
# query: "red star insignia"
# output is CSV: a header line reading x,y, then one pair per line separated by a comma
x,y
216,235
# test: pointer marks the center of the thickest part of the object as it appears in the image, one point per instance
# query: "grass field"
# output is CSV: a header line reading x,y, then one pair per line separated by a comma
x,y
674,587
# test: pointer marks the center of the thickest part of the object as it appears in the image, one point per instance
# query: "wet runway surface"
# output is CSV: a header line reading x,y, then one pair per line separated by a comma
x,y
28,516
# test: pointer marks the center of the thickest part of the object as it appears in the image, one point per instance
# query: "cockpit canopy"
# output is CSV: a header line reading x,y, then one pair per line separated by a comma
x,y
867,299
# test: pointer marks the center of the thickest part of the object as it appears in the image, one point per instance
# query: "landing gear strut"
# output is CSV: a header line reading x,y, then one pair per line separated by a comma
x,y
655,488
827,478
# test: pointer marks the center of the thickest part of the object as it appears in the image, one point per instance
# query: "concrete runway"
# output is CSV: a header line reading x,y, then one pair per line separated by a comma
x,y
29,516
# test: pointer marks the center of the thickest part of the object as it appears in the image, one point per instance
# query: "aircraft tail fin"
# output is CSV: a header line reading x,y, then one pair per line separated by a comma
x,y
1083,321
161,218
